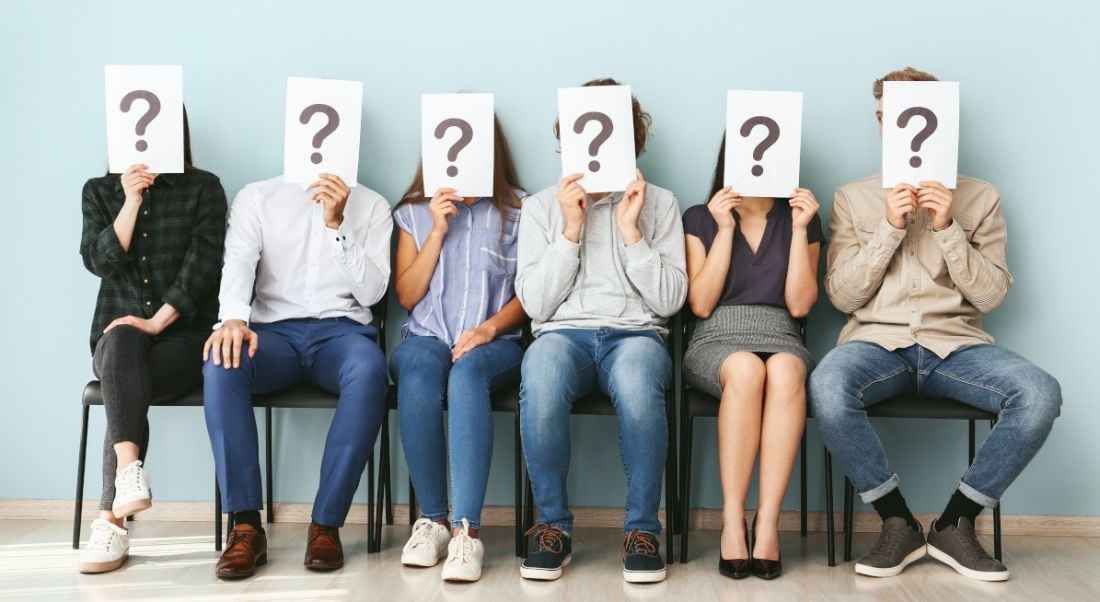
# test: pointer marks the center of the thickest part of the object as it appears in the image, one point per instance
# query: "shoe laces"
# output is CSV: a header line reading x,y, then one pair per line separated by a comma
x,y
547,538
465,544
102,537
132,474
969,541
331,533
888,539
638,542
422,533
239,537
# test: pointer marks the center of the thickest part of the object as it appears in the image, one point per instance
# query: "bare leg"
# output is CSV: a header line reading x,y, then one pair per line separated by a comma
x,y
742,379
109,516
781,434
127,453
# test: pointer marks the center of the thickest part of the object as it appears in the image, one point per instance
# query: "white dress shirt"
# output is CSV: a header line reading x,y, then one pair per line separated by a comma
x,y
278,245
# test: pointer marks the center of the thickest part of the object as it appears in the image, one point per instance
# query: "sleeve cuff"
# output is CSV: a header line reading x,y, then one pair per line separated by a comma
x,y
233,311
638,253
180,300
566,247
339,238
110,248
887,238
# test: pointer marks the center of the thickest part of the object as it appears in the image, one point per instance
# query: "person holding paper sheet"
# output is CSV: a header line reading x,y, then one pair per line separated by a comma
x,y
915,268
317,257
599,275
456,266
752,264
155,241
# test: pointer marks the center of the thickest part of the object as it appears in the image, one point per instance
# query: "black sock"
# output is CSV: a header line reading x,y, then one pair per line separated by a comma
x,y
248,517
893,505
959,505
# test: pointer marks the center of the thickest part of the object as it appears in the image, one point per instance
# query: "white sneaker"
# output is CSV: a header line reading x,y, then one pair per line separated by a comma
x,y
108,547
464,556
132,491
427,544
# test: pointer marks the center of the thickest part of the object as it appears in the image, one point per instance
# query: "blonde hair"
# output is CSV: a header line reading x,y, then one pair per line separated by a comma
x,y
907,74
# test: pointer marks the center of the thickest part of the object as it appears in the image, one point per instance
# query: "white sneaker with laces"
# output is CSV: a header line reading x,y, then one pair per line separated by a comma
x,y
464,556
108,547
132,491
427,544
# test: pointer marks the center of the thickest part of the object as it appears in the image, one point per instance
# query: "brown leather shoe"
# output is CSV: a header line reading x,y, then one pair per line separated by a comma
x,y
245,550
324,552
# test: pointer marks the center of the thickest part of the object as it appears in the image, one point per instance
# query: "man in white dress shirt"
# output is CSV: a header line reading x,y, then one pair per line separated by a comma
x,y
303,266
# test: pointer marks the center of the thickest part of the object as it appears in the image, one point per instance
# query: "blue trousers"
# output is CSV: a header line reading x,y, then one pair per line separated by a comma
x,y
425,375
634,369
337,354
856,375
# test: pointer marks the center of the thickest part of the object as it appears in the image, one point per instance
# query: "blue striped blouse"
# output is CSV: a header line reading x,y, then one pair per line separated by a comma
x,y
475,276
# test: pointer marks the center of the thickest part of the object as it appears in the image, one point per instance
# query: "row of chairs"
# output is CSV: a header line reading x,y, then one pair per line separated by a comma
x,y
692,404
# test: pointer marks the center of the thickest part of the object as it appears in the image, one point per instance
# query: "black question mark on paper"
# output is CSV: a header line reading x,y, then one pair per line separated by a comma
x,y
606,127
330,127
930,124
150,113
466,134
766,143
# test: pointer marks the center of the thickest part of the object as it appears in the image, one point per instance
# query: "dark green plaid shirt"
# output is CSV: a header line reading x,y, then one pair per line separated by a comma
x,y
175,255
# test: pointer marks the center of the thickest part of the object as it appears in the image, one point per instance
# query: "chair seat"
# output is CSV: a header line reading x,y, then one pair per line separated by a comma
x,y
702,405
936,408
93,396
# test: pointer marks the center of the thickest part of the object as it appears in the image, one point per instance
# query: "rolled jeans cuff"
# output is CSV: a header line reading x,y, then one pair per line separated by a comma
x,y
976,496
889,485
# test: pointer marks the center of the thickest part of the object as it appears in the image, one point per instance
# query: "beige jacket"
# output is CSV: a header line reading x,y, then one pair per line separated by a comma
x,y
901,287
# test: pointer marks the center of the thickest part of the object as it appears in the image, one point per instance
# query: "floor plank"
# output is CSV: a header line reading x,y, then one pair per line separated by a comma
x,y
175,561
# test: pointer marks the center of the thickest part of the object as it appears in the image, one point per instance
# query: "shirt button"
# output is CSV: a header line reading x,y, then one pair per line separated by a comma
x,y
143,258
146,212
146,281
145,235
148,303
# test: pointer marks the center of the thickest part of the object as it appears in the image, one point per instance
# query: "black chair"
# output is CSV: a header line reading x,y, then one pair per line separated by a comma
x,y
916,406
93,396
507,401
598,404
696,404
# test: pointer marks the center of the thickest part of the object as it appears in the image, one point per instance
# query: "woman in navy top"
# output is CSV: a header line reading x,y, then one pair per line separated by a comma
x,y
456,265
752,265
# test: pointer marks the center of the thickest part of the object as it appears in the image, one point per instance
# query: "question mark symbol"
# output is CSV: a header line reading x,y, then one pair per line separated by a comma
x,y
330,126
466,134
150,113
930,123
606,127
766,143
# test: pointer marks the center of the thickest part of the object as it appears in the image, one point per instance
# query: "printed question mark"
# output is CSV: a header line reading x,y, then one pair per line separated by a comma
x,y
150,113
330,126
466,134
606,127
766,143
930,123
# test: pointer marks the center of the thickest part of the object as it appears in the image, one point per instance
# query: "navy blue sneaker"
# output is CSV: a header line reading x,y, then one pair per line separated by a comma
x,y
642,562
549,551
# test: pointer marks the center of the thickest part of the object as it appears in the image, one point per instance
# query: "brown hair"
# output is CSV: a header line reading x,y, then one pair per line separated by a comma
x,y
907,74
505,180
642,120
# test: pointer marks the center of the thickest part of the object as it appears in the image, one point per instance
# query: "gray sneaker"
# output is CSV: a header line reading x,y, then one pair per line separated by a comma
x,y
958,547
897,547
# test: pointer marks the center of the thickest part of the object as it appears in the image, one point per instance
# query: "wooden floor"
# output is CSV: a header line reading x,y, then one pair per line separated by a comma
x,y
175,561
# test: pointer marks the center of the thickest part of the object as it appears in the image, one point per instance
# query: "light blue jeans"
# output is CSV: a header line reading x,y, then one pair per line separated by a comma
x,y
859,374
425,376
633,368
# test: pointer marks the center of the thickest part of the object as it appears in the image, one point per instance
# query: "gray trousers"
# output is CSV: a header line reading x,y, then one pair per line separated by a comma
x,y
135,370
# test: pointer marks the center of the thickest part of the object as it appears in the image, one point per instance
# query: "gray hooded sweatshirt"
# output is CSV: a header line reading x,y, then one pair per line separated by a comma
x,y
601,282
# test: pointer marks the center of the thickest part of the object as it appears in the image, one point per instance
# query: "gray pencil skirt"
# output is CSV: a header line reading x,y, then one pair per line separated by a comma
x,y
733,328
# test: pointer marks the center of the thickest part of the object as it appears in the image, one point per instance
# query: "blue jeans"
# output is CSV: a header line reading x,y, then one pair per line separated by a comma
x,y
634,369
425,377
856,375
337,354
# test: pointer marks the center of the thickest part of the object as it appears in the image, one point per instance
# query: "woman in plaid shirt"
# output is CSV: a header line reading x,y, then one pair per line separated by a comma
x,y
155,241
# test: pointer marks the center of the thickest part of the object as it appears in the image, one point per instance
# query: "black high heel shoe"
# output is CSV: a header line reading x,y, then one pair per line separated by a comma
x,y
761,567
738,568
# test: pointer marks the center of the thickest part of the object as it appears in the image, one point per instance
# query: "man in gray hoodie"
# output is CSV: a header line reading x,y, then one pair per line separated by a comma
x,y
599,275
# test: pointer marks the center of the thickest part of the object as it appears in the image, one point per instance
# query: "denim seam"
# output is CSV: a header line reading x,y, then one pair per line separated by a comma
x,y
881,379
980,386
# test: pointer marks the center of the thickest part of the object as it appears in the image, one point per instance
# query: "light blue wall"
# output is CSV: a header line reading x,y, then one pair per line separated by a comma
x,y
1029,78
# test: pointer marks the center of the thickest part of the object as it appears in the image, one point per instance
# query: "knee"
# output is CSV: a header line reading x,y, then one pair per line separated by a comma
x,y
364,365
786,375
547,366
1039,399
742,371
826,392
469,376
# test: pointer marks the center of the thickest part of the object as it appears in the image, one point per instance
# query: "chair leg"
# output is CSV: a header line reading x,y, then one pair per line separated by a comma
x,y
78,502
386,487
972,444
802,485
997,532
528,509
414,511
686,444
830,526
372,544
217,515
519,469
672,494
849,510
270,476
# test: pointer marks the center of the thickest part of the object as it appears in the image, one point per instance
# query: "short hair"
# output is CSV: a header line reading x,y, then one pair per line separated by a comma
x,y
907,74
642,120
